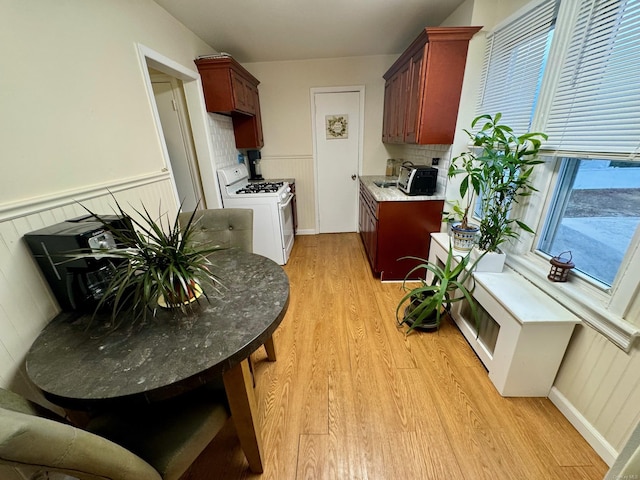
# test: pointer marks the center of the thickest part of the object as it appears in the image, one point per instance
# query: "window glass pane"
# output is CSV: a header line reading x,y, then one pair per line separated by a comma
x,y
594,215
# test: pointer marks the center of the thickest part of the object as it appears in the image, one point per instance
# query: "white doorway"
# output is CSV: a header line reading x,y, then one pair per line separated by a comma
x,y
338,117
176,130
196,113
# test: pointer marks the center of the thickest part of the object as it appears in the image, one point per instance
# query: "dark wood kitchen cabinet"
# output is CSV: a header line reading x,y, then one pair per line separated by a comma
x,y
422,88
394,99
391,230
231,90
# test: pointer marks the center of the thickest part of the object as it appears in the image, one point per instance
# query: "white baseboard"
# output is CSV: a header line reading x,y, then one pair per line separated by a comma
x,y
305,232
584,427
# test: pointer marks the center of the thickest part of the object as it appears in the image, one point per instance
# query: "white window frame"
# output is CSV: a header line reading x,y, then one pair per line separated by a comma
x,y
606,310
614,312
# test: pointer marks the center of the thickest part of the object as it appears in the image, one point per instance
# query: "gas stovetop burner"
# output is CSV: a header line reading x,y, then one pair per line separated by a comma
x,y
262,187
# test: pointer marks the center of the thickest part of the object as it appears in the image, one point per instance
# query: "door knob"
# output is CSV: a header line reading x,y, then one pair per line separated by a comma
x,y
353,177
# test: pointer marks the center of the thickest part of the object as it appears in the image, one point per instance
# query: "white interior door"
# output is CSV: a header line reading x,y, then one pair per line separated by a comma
x,y
338,144
177,139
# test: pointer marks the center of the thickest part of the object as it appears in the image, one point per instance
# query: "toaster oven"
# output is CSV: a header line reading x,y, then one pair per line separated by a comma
x,y
417,180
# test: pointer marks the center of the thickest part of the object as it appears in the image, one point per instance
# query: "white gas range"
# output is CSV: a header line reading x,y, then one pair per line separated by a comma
x,y
273,233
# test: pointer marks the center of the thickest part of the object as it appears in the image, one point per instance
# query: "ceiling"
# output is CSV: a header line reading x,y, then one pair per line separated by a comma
x,y
275,30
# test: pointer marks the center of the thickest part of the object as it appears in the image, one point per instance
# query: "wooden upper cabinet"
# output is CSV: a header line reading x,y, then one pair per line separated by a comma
x,y
386,116
248,128
424,108
394,99
230,89
413,98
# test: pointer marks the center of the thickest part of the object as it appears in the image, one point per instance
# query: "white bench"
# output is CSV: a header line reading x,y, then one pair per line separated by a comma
x,y
534,329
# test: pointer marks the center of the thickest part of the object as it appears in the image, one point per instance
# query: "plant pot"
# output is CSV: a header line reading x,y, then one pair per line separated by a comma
x,y
194,293
428,325
491,262
464,238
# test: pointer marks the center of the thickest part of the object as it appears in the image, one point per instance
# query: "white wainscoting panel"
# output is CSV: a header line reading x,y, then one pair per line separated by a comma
x,y
602,383
299,167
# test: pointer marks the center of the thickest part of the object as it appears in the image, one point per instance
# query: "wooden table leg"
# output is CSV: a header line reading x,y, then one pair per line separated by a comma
x,y
270,347
242,402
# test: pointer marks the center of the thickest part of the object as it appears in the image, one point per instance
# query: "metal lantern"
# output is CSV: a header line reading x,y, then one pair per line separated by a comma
x,y
560,267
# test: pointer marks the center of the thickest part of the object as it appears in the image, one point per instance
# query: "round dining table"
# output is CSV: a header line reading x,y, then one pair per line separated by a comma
x,y
87,360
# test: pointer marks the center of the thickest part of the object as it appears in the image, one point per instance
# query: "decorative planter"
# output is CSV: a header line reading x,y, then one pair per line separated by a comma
x,y
194,293
492,262
428,325
464,238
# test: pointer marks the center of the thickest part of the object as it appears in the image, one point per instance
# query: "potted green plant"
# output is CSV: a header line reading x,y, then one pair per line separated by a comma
x,y
463,232
155,262
498,170
423,307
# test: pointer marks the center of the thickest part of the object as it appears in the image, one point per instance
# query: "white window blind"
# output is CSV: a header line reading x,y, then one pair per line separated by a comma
x,y
596,107
514,62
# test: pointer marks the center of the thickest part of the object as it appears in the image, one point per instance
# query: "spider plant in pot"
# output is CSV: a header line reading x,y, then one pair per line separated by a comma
x,y
422,307
498,169
155,262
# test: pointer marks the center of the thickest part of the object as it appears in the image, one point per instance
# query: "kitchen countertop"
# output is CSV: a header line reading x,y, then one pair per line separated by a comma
x,y
392,194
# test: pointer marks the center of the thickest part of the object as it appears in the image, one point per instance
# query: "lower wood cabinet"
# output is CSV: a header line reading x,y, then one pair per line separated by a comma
x,y
394,229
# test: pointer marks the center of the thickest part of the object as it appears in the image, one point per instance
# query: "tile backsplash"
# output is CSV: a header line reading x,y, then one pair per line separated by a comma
x,y
424,154
225,153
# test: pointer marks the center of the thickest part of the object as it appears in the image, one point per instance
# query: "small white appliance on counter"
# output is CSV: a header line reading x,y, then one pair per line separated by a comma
x,y
273,233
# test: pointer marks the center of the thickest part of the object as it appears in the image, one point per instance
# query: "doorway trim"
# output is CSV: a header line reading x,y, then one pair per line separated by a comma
x,y
317,90
197,113
186,137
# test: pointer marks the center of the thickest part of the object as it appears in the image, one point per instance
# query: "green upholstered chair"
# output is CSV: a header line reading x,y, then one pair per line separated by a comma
x,y
152,442
226,227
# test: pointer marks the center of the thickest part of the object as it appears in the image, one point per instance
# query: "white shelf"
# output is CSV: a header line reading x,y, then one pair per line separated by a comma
x,y
534,329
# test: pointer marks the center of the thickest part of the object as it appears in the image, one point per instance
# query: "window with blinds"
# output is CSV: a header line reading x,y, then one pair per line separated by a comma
x,y
597,99
513,66
571,69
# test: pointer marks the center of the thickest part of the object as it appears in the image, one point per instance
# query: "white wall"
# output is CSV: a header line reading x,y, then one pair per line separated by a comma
x,y
286,115
73,99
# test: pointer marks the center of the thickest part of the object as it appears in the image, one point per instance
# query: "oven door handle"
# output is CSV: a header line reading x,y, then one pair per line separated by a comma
x,y
284,205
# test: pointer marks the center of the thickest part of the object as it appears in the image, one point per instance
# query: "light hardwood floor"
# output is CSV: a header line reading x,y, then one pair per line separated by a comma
x,y
352,397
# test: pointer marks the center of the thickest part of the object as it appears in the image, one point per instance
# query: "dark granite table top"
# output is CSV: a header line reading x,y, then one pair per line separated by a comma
x,y
78,361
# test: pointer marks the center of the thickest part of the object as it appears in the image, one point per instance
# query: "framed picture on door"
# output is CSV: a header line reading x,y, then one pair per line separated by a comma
x,y
337,126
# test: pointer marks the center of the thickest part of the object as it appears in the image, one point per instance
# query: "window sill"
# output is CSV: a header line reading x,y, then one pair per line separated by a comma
x,y
585,301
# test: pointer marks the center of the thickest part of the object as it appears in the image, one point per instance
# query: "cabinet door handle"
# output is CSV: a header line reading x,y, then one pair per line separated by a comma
x,y
353,177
